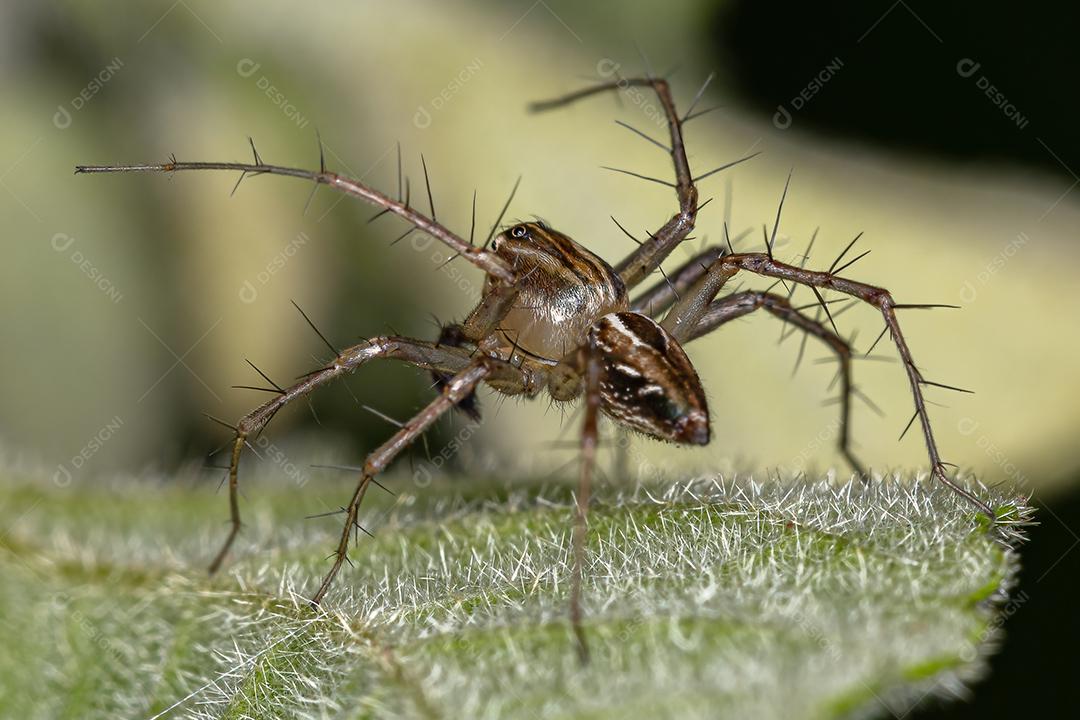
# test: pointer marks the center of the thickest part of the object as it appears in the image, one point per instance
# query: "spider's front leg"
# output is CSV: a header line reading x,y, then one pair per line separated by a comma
x,y
639,376
417,352
400,206
589,438
652,252
456,389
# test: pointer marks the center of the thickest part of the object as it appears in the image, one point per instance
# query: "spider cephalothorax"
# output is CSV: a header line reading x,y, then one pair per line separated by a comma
x,y
570,303
566,289
556,318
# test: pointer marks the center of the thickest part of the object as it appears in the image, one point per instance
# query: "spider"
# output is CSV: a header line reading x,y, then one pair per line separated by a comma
x,y
555,318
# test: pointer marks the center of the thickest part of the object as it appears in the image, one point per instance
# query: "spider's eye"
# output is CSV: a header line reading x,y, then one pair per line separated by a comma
x,y
519,231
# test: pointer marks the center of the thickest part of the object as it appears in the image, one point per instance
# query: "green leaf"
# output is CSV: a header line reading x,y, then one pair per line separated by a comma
x,y
708,598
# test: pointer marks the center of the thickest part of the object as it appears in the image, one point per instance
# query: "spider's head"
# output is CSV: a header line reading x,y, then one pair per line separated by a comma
x,y
562,289
529,246
550,257
526,238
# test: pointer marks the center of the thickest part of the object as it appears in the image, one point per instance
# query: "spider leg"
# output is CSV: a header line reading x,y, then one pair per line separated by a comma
x,y
497,301
589,434
687,313
650,253
739,304
460,386
417,352
453,335
663,294
478,256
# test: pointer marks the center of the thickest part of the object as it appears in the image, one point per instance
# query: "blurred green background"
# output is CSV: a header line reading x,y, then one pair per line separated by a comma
x,y
130,303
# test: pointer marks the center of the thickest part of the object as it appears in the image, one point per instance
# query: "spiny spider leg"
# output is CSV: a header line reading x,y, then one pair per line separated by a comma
x,y
686,314
663,294
589,438
416,352
650,253
660,296
743,303
459,387
478,256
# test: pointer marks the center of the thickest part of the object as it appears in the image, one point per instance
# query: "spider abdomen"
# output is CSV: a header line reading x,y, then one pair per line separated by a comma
x,y
647,382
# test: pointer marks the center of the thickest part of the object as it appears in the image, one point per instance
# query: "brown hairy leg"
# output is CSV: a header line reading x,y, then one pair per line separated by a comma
x,y
420,353
589,438
651,253
456,389
741,304
687,313
478,256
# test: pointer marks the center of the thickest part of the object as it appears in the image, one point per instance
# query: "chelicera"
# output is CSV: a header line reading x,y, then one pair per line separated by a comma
x,y
557,320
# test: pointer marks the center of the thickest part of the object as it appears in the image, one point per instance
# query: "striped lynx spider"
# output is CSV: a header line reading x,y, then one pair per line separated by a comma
x,y
554,318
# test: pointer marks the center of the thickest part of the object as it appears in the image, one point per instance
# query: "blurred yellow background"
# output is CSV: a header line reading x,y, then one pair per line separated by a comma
x,y
129,303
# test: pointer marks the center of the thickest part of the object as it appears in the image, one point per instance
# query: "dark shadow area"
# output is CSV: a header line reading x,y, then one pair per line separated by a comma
x,y
1036,667
986,81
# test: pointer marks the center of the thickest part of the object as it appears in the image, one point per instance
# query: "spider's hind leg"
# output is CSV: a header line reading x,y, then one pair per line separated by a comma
x,y
685,315
740,304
